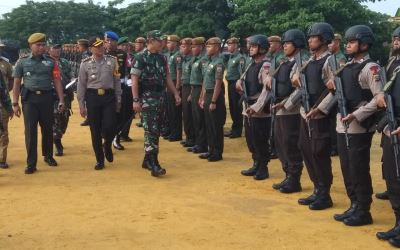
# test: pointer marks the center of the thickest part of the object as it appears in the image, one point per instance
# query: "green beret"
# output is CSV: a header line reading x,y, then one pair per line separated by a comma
x,y
232,40
213,40
173,38
140,40
186,41
198,40
83,42
122,40
36,37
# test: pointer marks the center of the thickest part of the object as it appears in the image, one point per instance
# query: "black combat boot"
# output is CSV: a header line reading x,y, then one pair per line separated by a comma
x,y
59,147
346,214
262,170
251,171
117,143
277,186
146,162
395,242
310,199
360,217
382,196
323,200
392,233
156,169
292,185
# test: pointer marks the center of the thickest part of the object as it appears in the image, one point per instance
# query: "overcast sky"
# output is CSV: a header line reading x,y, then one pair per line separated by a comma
x,y
387,6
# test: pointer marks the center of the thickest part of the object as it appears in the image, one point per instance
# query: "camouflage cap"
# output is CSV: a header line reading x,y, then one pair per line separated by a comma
x,y
95,42
198,40
186,41
338,37
232,40
213,40
276,39
140,40
83,42
123,40
173,38
154,34
37,37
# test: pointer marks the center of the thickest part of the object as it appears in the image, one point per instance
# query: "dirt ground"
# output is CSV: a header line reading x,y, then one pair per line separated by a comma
x,y
197,205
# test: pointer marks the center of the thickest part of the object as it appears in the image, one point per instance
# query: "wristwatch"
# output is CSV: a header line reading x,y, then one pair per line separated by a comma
x,y
135,99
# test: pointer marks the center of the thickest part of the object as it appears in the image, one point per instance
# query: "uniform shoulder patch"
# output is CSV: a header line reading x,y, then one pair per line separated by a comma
x,y
87,59
111,56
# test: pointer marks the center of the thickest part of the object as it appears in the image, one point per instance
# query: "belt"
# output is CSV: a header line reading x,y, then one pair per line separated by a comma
x,y
40,92
101,91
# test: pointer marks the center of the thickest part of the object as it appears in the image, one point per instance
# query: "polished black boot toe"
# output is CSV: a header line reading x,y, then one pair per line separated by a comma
x,y
50,161
382,196
392,233
108,153
307,201
395,241
30,170
204,155
321,203
346,214
359,218
277,186
292,185
214,158
99,166
251,171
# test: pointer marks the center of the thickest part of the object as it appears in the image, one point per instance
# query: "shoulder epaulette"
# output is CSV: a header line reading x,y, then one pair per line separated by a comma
x,y
86,59
111,56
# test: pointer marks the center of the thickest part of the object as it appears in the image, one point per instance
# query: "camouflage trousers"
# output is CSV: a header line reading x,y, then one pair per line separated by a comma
x,y
61,119
152,107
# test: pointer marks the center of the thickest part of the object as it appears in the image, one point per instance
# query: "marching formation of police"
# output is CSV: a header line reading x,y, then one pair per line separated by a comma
x,y
297,97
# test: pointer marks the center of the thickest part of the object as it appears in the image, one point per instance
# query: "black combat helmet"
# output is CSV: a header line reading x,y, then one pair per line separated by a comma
x,y
362,33
295,36
396,32
261,41
324,30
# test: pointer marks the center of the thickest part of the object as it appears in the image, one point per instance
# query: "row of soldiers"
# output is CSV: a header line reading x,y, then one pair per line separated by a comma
x,y
287,102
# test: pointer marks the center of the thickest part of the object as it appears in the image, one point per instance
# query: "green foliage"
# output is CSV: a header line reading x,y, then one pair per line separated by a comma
x,y
68,21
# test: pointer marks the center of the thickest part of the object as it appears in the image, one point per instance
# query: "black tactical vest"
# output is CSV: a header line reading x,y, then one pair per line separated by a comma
x,y
353,92
315,83
283,83
395,89
253,85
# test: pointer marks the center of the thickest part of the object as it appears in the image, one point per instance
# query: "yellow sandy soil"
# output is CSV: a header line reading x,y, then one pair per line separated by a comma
x,y
197,205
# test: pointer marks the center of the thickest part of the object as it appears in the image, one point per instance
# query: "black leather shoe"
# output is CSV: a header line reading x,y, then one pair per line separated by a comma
x,y
382,196
85,123
125,139
200,150
188,144
182,142
359,218
251,171
3,165
277,186
99,166
204,155
310,199
156,169
346,214
108,154
321,203
59,147
233,136
228,134
116,144
395,241
30,170
262,171
292,185
392,233
172,139
213,158
50,161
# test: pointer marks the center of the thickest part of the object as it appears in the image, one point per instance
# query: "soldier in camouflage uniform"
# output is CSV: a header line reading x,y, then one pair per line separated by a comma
x,y
61,118
150,76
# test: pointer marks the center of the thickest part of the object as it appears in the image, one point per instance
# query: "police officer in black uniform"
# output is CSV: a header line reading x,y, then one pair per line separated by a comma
x,y
286,129
314,140
389,164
